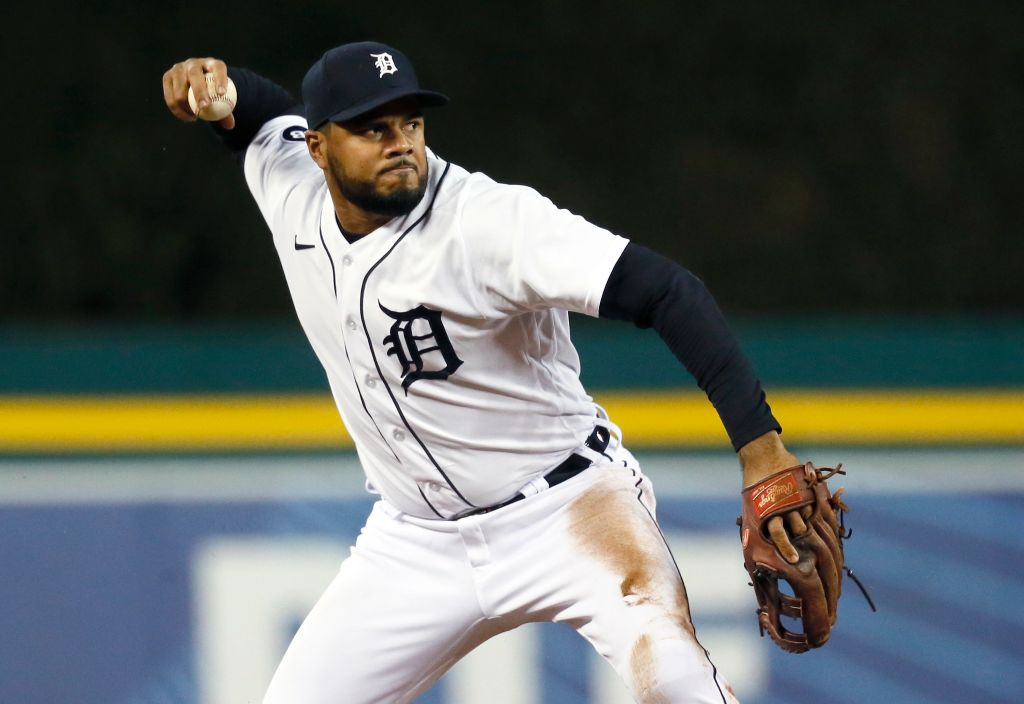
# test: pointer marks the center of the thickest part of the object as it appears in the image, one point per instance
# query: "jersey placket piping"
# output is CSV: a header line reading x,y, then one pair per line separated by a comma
x,y
334,272
373,354
344,345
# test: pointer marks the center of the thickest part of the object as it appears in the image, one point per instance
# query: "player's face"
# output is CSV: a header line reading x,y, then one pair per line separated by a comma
x,y
378,161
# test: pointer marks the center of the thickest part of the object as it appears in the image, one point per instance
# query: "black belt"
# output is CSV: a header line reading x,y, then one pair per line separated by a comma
x,y
569,468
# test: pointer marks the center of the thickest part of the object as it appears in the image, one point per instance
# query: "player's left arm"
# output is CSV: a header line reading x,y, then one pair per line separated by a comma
x,y
654,292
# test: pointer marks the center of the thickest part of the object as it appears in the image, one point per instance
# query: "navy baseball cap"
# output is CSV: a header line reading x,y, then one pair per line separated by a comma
x,y
353,79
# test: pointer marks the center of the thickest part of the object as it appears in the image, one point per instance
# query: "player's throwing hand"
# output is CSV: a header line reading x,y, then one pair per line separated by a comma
x,y
191,73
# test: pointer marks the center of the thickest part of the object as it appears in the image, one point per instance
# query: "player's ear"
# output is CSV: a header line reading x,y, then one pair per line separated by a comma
x,y
316,143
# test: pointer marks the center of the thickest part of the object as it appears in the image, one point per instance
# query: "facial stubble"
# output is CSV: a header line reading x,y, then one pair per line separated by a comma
x,y
365,195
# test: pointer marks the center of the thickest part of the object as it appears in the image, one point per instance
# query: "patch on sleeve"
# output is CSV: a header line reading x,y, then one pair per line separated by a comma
x,y
295,133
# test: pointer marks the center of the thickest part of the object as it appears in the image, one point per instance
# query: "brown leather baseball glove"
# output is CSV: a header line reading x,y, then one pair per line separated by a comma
x,y
816,579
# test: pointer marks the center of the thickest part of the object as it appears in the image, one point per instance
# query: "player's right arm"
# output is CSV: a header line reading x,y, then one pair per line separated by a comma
x,y
265,134
259,99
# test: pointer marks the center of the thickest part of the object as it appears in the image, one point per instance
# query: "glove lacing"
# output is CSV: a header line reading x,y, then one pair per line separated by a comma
x,y
841,508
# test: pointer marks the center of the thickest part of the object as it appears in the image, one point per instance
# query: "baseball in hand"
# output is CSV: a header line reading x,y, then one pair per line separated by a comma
x,y
220,106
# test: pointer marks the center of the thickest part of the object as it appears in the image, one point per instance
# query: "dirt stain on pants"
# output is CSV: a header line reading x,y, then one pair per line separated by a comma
x,y
614,527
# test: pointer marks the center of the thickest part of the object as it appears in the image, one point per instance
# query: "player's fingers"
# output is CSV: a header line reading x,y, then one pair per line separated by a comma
x,y
219,70
194,69
181,92
228,122
807,511
777,532
796,523
168,85
175,87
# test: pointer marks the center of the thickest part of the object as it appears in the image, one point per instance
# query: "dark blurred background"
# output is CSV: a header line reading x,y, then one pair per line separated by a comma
x,y
799,157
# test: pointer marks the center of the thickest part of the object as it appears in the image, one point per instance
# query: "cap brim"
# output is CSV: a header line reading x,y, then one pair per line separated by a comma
x,y
426,98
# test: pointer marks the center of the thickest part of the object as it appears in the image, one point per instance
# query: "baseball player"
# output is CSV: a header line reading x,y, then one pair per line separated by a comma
x,y
437,301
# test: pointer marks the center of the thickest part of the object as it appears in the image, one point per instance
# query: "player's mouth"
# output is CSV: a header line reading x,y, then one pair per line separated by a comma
x,y
403,167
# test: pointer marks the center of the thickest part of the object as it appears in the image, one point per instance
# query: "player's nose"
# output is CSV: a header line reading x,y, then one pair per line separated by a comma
x,y
399,144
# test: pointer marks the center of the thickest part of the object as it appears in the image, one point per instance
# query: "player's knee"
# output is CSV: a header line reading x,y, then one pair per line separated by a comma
x,y
674,672
686,688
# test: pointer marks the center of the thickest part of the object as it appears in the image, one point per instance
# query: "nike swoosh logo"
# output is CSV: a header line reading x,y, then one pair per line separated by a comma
x,y
302,246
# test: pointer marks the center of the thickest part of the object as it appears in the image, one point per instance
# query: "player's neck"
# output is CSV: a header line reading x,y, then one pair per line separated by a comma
x,y
356,221
351,218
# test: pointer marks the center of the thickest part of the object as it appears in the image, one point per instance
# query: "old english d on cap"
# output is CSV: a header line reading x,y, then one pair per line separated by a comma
x,y
353,79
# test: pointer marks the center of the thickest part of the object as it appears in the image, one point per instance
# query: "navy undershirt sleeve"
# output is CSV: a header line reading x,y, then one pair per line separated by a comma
x,y
259,101
654,292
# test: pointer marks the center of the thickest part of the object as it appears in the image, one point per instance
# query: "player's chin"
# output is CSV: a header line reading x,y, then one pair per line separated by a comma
x,y
403,185
395,201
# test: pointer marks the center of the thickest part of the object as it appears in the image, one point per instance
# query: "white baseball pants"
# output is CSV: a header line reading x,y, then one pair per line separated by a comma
x,y
416,595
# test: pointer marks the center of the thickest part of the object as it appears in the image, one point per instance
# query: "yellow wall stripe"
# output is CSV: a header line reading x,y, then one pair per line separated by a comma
x,y
130,423
34,424
838,416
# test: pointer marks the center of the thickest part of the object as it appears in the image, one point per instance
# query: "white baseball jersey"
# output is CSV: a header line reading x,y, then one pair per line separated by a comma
x,y
444,333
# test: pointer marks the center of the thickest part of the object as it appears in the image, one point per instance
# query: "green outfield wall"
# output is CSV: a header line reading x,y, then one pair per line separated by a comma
x,y
799,352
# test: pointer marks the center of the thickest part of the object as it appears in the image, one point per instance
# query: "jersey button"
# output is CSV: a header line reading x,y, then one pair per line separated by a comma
x,y
398,434
346,260
371,381
351,323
